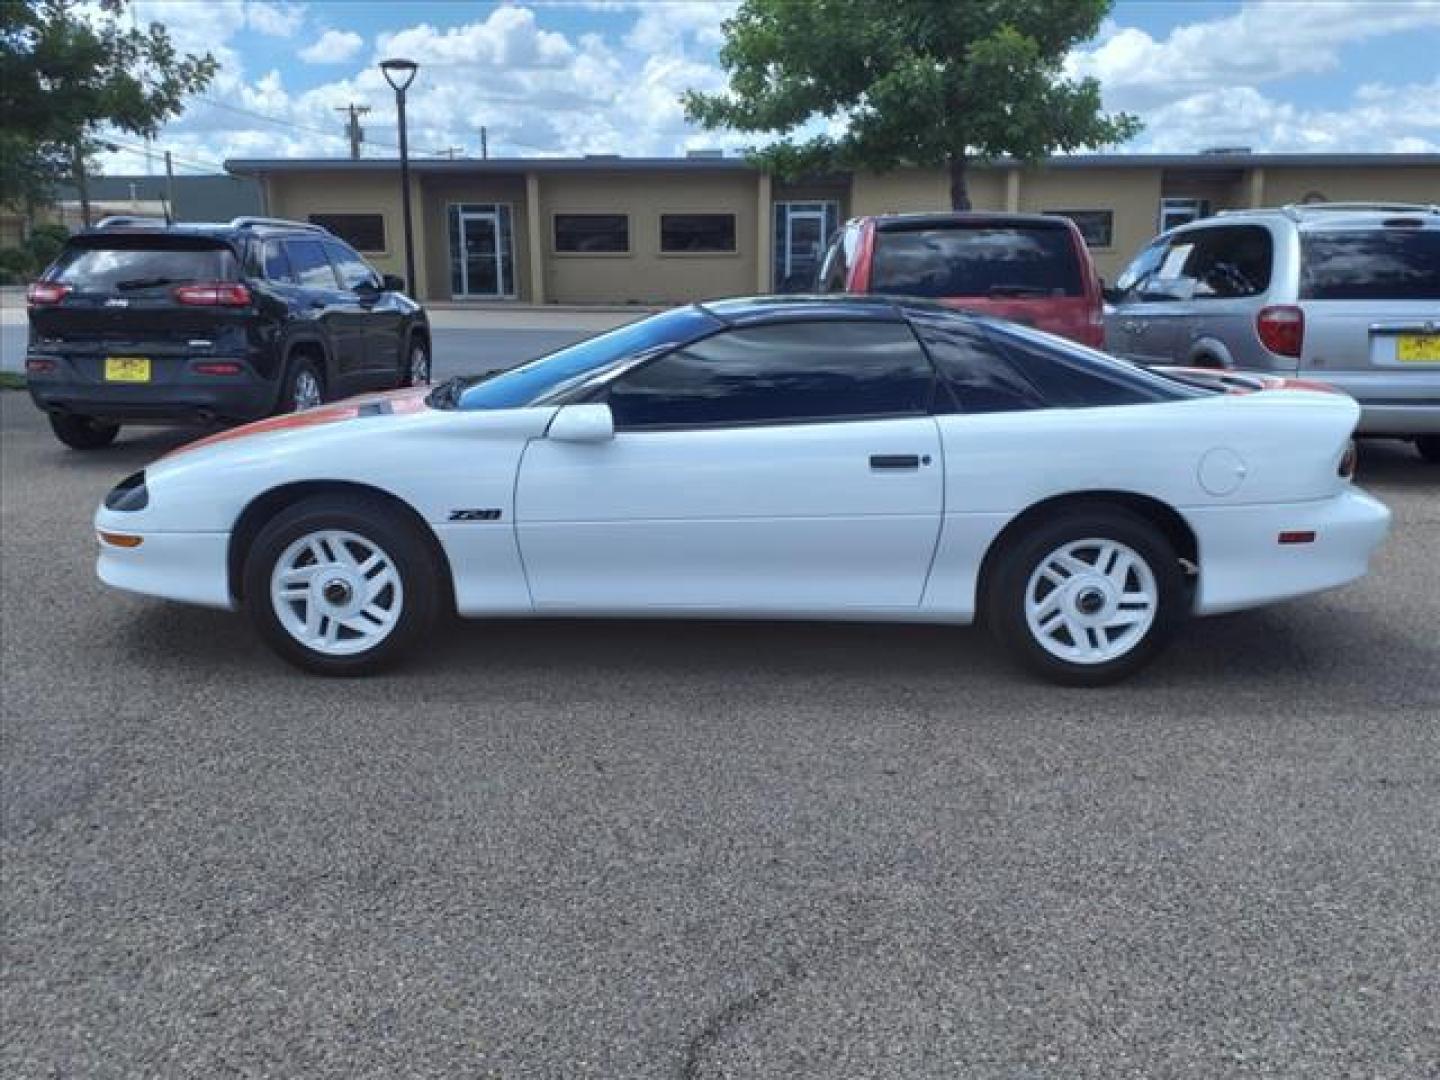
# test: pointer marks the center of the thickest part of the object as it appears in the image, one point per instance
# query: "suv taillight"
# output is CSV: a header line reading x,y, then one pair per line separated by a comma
x,y
1281,329
44,293
213,294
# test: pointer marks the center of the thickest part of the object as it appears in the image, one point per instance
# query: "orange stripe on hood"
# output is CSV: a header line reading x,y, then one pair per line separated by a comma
x,y
410,400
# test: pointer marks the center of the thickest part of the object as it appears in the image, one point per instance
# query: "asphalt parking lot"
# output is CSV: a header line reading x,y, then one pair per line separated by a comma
x,y
569,849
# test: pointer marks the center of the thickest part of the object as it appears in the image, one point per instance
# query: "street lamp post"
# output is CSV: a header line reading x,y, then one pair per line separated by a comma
x,y
400,74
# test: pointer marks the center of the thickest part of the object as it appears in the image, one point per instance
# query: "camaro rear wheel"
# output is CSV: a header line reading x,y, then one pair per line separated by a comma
x,y
341,585
1088,597
81,432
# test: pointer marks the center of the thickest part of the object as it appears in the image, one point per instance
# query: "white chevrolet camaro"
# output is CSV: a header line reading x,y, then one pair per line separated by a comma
x,y
808,458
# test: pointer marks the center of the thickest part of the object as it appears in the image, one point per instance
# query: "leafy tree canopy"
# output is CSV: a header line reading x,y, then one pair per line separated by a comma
x,y
919,82
68,71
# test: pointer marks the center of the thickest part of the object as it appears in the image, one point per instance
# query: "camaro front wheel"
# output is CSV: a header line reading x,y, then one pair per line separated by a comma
x,y
1087,597
341,585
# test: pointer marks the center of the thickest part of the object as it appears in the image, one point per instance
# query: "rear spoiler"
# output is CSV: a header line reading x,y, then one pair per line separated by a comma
x,y
1238,382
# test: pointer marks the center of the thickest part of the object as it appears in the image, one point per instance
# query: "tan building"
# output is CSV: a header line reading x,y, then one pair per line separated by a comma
x,y
617,230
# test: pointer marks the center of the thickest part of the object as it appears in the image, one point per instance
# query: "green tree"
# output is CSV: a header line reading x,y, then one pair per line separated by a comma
x,y
937,83
68,72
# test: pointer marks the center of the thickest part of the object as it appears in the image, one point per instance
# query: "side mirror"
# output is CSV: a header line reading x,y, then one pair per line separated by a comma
x,y
394,283
1110,294
586,422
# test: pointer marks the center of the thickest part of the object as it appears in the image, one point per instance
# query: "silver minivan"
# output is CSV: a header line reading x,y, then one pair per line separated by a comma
x,y
1344,293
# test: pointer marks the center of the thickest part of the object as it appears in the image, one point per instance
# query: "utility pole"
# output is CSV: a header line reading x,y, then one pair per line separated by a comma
x,y
353,128
484,143
169,190
82,184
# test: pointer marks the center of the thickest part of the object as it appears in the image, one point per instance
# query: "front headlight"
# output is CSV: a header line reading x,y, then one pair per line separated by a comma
x,y
130,494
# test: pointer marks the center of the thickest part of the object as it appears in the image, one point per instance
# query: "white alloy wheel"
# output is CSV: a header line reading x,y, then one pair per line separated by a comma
x,y
419,365
1091,601
307,391
336,592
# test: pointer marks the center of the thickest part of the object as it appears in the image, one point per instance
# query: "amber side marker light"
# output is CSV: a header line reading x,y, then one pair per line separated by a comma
x,y
121,540
1297,537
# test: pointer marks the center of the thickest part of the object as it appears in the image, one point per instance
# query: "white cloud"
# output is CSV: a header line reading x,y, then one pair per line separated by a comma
x,y
543,92
1264,41
333,47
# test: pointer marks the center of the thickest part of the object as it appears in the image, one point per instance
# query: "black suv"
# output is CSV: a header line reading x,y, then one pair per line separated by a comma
x,y
140,322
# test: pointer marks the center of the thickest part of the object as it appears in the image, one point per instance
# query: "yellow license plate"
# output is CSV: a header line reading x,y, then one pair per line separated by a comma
x,y
1418,348
127,369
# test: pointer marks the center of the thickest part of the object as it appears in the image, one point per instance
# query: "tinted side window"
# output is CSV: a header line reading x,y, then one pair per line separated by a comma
x,y
353,270
1074,377
1000,260
1370,264
977,373
277,264
312,269
774,374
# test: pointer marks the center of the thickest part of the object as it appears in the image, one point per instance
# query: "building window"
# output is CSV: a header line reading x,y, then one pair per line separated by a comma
x,y
802,229
1096,226
697,232
590,234
363,232
1175,212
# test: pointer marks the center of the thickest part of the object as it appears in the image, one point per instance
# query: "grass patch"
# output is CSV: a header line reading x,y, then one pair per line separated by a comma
x,y
10,380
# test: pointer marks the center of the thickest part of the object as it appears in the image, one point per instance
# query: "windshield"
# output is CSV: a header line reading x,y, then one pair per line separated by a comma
x,y
539,380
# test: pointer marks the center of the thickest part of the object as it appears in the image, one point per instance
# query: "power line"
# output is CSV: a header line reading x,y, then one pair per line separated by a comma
x,y
281,121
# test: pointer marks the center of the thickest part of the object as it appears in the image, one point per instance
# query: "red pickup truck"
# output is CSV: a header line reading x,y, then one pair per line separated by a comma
x,y
1029,268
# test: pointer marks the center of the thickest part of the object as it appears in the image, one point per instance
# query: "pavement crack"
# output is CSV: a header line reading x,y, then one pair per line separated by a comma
x,y
734,1013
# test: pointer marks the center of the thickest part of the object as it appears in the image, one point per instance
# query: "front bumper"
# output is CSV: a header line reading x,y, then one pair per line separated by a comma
x,y
190,567
1243,564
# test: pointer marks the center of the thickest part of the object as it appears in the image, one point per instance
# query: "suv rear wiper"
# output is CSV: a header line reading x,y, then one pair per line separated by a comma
x,y
1018,290
147,283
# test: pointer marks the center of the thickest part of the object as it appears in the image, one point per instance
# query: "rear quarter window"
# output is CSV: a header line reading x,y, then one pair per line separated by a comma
x,y
1071,376
111,269
1370,264
976,260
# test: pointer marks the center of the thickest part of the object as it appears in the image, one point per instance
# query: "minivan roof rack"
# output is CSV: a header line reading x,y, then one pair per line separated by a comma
x,y
1378,207
249,222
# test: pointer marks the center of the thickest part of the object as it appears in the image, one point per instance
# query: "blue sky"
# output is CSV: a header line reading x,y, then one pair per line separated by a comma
x,y
603,76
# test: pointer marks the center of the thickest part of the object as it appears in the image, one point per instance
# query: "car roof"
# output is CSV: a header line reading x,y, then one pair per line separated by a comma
x,y
928,220
1315,217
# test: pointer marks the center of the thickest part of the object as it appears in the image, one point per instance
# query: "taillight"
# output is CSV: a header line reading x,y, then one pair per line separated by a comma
x,y
213,294
216,367
1281,329
37,366
44,293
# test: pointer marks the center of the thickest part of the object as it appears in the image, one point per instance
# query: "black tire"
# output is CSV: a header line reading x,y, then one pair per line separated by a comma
x,y
81,432
300,368
409,375
1429,447
1009,584
375,522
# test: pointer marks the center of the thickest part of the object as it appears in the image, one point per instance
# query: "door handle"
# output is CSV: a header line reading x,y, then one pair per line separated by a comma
x,y
897,461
